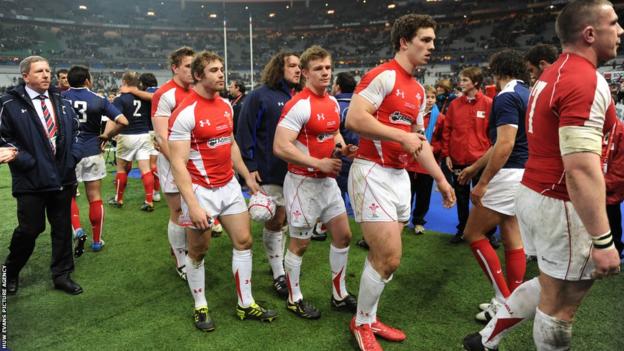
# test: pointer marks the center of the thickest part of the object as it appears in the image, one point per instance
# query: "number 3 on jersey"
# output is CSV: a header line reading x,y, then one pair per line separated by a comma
x,y
81,110
535,93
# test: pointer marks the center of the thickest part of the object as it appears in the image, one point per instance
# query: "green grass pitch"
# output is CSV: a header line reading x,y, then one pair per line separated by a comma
x,y
134,300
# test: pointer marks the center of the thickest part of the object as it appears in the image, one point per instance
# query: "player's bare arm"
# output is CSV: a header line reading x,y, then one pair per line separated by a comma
x,y
361,119
161,126
141,94
428,161
114,127
499,154
180,153
284,148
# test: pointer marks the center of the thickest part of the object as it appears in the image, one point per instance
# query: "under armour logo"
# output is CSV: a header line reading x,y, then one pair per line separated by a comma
x,y
247,282
418,96
226,114
280,103
320,116
204,121
400,93
197,291
24,110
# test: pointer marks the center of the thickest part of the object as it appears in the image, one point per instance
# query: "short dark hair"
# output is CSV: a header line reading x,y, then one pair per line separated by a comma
x,y
509,63
200,61
346,82
77,76
406,27
240,86
475,74
175,58
541,52
62,70
575,16
148,80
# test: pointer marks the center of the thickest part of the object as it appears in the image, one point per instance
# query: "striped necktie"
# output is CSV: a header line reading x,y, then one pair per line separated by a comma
x,y
49,120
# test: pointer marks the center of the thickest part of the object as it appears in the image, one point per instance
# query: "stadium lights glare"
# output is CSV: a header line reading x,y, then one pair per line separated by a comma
x,y
272,14
330,12
551,7
391,6
82,7
151,13
213,15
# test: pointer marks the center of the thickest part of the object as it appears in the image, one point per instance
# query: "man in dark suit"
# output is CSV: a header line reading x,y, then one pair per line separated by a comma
x,y
43,129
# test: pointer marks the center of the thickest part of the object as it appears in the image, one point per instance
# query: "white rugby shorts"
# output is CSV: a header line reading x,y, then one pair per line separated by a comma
x,y
132,147
379,194
221,201
500,195
552,230
91,168
165,175
308,200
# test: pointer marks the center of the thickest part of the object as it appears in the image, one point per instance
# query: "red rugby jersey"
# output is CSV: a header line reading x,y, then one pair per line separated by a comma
x,y
400,103
167,98
317,120
571,92
207,123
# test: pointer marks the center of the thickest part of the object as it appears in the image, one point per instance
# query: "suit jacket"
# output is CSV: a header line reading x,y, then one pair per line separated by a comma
x,y
37,168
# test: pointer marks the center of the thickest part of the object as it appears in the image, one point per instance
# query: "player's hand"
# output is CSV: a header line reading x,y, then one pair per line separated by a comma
x,y
200,218
412,143
477,194
7,154
103,140
606,262
448,194
256,176
466,175
252,184
329,165
349,151
449,163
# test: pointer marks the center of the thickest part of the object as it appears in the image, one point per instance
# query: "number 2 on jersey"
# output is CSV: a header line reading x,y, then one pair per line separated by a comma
x,y
137,105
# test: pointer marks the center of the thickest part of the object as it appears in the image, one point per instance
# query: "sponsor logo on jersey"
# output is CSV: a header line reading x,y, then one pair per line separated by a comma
x,y
216,142
398,118
222,127
331,123
480,114
324,137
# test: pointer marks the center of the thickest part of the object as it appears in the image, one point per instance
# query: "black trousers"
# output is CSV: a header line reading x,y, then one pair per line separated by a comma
x,y
462,192
421,185
31,213
615,222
